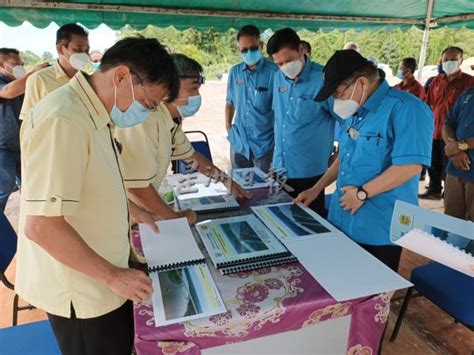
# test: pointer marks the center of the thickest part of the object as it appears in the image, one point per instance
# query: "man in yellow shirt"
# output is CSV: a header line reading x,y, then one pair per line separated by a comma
x,y
73,245
72,44
149,148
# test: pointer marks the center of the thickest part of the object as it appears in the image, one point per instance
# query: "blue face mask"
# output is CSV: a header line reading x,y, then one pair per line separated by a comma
x,y
95,66
194,103
252,57
135,114
400,74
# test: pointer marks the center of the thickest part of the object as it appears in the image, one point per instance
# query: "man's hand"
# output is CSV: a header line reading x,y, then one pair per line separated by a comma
x,y
451,149
38,67
461,161
139,215
237,190
349,201
189,214
131,284
307,196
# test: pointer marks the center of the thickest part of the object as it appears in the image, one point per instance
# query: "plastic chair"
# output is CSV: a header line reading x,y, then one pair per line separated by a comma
x,y
201,146
8,240
449,289
33,338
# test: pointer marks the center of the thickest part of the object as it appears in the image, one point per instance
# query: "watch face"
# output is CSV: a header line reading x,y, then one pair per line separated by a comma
x,y
463,146
361,195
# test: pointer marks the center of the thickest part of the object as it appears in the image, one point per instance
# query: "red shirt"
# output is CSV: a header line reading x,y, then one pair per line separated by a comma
x,y
413,87
442,96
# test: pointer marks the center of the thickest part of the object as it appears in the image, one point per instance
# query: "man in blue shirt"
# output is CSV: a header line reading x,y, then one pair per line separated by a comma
x,y
249,99
385,140
12,87
304,129
458,134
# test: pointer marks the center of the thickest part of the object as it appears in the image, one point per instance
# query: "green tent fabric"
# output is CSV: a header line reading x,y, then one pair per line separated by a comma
x,y
224,14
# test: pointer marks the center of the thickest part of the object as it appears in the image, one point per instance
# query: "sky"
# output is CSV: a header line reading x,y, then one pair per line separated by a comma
x,y
28,37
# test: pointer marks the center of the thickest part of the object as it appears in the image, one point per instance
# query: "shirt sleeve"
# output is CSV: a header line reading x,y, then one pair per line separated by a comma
x,y
230,85
452,119
34,91
54,166
182,148
412,134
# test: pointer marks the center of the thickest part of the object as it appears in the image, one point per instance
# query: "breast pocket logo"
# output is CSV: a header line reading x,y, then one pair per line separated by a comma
x,y
282,89
240,82
405,220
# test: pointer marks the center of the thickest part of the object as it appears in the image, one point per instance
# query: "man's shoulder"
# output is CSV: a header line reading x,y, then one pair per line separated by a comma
x,y
403,97
64,102
45,73
270,65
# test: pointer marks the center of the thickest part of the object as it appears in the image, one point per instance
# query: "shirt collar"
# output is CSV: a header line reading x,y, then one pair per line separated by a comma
x,y
96,108
458,75
376,98
258,66
59,71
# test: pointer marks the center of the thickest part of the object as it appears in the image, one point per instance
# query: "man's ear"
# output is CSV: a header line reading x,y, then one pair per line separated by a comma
x,y
60,48
122,72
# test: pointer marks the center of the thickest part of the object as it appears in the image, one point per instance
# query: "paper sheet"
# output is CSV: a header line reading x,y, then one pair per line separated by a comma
x,y
251,178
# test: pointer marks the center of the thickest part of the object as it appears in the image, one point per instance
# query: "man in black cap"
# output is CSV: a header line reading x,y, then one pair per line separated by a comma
x,y
385,141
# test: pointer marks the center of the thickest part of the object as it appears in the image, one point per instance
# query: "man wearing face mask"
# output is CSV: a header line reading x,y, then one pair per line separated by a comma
x,y
408,82
385,140
249,100
304,129
72,44
443,93
73,239
13,77
149,148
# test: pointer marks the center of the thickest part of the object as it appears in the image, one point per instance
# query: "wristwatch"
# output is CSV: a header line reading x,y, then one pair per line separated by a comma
x,y
463,146
361,194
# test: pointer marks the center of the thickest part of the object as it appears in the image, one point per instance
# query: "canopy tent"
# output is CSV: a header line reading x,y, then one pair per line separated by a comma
x,y
224,14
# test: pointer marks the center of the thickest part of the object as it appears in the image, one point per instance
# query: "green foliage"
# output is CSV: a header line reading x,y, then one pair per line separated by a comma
x,y
217,51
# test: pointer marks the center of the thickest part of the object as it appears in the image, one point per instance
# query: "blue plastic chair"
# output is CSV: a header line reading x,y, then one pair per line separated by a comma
x,y
201,146
8,242
450,290
33,338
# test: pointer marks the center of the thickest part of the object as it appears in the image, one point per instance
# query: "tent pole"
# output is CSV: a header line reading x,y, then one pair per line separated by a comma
x,y
424,41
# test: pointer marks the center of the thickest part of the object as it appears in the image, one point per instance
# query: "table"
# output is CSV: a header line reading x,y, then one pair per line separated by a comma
x,y
262,303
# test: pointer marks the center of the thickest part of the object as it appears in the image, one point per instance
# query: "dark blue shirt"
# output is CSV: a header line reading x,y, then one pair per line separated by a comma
x,y
9,118
461,119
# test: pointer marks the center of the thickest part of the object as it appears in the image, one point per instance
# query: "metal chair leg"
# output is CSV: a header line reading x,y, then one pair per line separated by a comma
x,y
15,310
401,315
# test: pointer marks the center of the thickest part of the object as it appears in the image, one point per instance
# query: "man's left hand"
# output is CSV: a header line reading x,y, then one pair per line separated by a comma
x,y
139,215
451,149
349,201
237,190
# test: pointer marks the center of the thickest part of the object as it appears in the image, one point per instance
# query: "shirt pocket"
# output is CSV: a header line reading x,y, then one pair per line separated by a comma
x,y
306,108
263,100
370,149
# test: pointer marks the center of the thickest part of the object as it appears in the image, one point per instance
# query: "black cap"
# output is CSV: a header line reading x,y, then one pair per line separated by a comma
x,y
338,68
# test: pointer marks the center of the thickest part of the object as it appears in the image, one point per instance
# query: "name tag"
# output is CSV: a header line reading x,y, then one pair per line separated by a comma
x,y
282,89
240,82
354,134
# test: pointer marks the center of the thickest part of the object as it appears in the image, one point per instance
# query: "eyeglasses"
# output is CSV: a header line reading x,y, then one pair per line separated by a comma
x,y
251,49
338,95
142,84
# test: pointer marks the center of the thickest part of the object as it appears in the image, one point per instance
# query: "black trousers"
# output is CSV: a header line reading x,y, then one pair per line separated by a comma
x,y
301,185
110,334
388,254
438,165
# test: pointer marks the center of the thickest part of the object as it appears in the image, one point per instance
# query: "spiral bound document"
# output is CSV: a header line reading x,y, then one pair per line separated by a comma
x,y
444,239
183,287
209,203
242,243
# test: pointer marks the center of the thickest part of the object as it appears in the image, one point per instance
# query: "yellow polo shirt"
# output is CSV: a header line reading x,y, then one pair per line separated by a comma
x,y
149,148
70,168
41,83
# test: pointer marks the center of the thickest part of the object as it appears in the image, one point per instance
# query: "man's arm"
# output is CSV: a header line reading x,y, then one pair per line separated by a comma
x,y
17,87
229,115
59,239
391,178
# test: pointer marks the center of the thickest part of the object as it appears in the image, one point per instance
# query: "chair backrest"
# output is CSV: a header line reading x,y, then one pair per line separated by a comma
x,y
201,146
8,240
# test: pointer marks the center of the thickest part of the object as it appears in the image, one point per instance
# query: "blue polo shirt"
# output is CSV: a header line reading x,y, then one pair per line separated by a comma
x,y
9,119
304,128
394,128
251,92
461,119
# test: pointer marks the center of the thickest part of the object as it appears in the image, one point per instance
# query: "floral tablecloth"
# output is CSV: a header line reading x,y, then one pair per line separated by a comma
x,y
261,303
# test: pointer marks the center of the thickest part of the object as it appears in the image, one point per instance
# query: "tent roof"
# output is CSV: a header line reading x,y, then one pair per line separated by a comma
x,y
224,14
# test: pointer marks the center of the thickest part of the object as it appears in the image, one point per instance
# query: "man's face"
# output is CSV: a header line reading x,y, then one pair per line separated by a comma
x,y
188,87
249,43
10,62
404,69
452,56
77,44
287,55
352,91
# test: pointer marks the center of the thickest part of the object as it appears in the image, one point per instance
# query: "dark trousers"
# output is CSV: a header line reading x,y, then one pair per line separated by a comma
x,y
9,174
388,254
110,334
301,185
438,165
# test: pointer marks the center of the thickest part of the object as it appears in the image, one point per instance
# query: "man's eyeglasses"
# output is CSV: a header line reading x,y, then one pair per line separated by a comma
x,y
142,84
251,49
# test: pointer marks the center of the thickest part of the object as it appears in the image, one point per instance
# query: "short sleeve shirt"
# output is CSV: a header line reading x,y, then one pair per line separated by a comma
x,y
391,128
71,168
149,148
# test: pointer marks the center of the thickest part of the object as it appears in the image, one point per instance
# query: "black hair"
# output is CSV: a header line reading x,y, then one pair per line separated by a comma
x,y
6,52
409,63
284,38
65,32
249,31
186,67
147,59
453,49
368,69
306,45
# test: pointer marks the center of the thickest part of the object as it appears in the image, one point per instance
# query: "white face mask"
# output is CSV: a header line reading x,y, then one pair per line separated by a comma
x,y
81,61
18,71
292,69
451,66
346,108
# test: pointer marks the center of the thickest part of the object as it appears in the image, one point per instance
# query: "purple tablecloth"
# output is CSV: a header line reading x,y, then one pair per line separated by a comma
x,y
260,303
